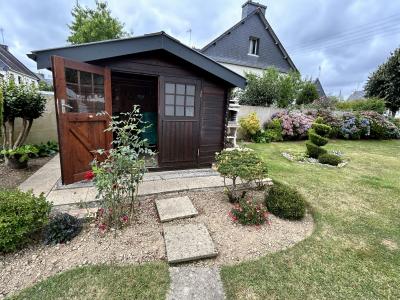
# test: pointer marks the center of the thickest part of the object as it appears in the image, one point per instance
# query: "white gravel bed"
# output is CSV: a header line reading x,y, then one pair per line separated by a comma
x,y
142,242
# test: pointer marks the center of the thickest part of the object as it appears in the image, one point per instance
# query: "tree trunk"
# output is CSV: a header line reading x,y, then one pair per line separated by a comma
x,y
21,134
26,127
4,136
10,141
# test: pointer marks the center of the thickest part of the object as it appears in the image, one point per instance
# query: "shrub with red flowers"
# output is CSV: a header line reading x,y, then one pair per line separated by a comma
x,y
249,212
117,177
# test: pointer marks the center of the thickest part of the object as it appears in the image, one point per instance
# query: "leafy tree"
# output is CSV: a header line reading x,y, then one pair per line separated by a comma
x,y
1,112
289,86
91,25
261,90
307,94
20,101
385,82
44,86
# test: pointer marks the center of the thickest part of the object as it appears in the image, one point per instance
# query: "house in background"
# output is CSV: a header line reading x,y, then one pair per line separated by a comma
x,y
251,45
320,89
10,66
356,95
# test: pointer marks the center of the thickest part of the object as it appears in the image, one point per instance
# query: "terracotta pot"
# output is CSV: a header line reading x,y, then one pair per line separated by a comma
x,y
14,163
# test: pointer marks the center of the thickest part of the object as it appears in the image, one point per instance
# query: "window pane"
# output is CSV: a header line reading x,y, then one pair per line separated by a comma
x,y
180,100
98,79
190,90
71,75
179,111
180,89
169,99
189,111
170,88
169,110
189,101
86,78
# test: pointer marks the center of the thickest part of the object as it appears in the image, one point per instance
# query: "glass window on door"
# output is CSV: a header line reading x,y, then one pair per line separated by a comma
x,y
179,99
85,92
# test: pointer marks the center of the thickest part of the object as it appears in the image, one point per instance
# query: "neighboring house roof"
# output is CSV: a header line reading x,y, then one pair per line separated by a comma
x,y
225,48
149,42
10,61
357,95
319,87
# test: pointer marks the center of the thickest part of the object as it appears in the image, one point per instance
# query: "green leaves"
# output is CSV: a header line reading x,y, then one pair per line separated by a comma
x,y
385,82
21,153
90,25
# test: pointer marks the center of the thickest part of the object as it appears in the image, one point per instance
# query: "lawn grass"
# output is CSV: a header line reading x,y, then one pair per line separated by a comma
x,y
354,251
147,281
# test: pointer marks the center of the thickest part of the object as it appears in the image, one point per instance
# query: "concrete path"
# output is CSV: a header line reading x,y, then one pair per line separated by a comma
x,y
47,180
195,283
175,208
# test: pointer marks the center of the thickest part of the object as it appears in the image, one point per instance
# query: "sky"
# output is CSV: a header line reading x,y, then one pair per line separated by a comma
x,y
341,41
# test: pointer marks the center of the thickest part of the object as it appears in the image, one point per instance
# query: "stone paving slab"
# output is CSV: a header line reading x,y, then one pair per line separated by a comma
x,y
175,208
195,283
188,242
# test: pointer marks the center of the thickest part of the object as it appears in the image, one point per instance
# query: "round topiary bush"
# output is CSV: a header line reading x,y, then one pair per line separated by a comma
x,y
21,215
285,202
61,228
321,129
329,159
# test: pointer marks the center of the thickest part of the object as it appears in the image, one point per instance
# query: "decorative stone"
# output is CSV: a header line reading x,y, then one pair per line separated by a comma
x,y
175,208
188,242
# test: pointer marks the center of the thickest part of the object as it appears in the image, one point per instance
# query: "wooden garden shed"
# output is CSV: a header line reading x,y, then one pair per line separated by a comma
x,y
181,92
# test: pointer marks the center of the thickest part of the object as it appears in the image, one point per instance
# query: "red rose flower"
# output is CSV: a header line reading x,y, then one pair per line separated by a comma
x,y
89,175
102,227
124,219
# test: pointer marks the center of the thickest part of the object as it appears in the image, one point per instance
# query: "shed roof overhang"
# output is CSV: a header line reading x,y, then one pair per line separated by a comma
x,y
149,42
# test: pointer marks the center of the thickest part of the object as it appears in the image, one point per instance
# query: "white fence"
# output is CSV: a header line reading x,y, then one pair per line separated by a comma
x,y
263,113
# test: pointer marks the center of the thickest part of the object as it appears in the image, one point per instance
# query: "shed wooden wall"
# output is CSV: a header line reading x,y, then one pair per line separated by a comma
x,y
213,95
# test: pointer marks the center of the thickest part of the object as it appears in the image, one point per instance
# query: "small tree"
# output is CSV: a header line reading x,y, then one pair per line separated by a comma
x,y
289,86
91,25
318,137
307,94
20,101
385,82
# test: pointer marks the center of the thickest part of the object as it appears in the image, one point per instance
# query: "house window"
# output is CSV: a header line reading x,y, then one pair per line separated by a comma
x,y
254,46
179,99
19,80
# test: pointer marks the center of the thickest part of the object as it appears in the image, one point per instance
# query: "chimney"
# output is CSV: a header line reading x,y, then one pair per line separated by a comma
x,y
251,6
4,47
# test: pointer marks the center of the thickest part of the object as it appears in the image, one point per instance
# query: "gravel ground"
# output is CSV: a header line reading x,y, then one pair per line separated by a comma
x,y
142,241
10,178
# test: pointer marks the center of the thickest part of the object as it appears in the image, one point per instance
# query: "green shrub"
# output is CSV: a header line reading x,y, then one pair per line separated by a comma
x,y
46,149
240,163
307,94
313,150
273,131
316,139
249,212
329,159
21,154
370,104
321,129
250,125
285,202
21,215
61,228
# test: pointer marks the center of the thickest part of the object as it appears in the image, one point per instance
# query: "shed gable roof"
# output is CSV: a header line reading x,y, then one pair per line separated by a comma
x,y
149,42
235,45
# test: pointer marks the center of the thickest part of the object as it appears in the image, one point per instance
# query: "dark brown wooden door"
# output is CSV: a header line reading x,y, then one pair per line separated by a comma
x,y
82,92
179,111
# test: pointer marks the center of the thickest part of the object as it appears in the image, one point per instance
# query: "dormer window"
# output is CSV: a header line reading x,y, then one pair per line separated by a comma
x,y
254,46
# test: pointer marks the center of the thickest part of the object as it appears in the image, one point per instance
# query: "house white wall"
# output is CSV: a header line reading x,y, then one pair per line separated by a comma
x,y
18,77
242,70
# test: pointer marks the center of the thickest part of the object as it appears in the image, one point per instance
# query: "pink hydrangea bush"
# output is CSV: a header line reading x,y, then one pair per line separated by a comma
x,y
295,125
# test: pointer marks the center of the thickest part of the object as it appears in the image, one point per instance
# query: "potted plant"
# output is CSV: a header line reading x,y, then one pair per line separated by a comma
x,y
18,158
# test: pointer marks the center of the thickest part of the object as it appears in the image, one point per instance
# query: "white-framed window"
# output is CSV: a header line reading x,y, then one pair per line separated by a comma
x,y
254,46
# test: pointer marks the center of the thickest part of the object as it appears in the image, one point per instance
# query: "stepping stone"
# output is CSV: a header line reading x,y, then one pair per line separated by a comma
x,y
175,208
188,242
195,283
